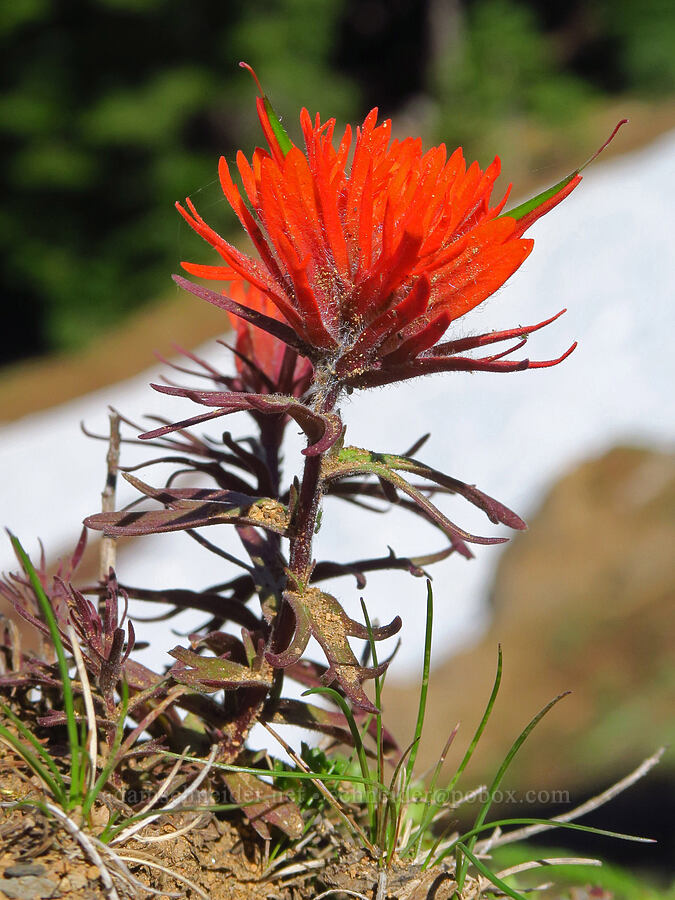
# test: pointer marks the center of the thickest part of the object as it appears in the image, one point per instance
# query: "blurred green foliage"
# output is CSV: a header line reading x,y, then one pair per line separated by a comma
x,y
500,66
113,109
643,35
543,63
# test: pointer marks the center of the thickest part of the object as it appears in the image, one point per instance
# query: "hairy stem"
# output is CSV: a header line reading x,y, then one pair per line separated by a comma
x,y
309,501
303,530
306,517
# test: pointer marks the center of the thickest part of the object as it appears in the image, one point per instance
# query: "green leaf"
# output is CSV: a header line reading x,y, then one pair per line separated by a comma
x,y
285,143
519,212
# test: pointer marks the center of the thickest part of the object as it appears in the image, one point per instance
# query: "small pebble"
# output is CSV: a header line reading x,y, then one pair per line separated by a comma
x,y
29,887
77,881
19,869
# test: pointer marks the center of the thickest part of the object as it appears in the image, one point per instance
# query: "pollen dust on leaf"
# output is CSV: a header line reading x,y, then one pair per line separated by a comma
x,y
269,513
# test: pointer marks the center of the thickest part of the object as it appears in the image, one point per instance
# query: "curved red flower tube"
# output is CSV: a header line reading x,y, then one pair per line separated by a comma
x,y
264,363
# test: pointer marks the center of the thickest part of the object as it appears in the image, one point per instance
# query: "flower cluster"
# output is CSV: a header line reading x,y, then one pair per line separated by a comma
x,y
368,250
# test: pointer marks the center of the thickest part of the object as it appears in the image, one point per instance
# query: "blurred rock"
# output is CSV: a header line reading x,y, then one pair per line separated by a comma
x,y
584,601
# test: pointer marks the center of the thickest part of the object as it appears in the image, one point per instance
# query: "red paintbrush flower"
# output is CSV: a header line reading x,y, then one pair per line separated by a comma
x,y
368,263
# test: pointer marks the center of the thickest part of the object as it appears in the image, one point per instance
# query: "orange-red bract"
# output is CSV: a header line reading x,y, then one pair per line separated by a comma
x,y
263,362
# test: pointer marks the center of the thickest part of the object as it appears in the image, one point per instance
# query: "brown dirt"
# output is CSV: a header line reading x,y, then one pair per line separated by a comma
x,y
224,861
218,859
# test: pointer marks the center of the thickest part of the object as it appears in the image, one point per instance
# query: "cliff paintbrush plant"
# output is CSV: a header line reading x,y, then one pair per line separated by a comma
x,y
368,250
362,267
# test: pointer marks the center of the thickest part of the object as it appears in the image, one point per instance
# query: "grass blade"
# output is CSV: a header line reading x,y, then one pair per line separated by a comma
x,y
112,761
249,770
522,737
430,808
360,750
378,695
483,722
320,786
489,874
574,826
68,703
30,737
588,806
393,809
380,819
424,687
470,751
33,761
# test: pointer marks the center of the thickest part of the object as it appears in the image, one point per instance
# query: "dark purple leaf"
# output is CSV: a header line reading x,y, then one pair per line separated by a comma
x,y
352,461
272,326
215,673
227,608
264,806
428,365
322,429
192,508
495,511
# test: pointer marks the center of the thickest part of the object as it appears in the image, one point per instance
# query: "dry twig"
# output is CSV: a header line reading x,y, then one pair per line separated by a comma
x,y
521,833
177,801
108,550
92,738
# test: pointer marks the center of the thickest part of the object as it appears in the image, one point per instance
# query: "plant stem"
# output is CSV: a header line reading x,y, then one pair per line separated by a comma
x,y
303,528
305,523
300,562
